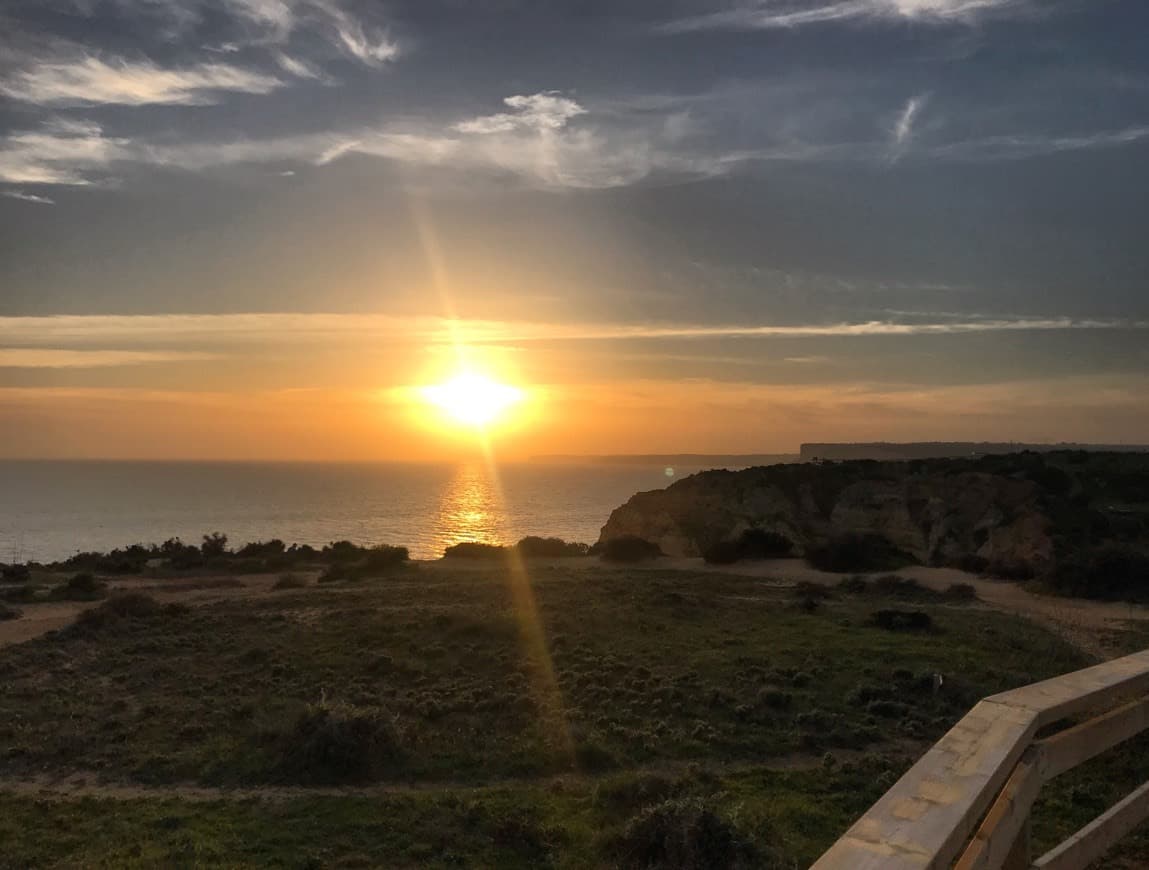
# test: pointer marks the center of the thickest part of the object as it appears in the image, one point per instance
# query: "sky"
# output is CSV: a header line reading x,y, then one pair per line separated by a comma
x,y
252,229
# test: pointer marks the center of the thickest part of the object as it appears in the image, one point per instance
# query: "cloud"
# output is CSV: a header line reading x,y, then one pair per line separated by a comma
x,y
775,14
27,197
548,110
1020,146
904,126
371,46
53,358
91,81
61,152
295,328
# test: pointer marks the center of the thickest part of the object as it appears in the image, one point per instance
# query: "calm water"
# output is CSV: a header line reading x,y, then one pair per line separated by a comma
x,y
50,510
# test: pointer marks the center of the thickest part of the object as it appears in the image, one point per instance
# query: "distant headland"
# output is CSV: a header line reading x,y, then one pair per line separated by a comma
x,y
689,460
946,449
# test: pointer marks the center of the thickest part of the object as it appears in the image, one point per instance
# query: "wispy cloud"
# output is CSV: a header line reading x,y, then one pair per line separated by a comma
x,y
1015,147
904,126
774,14
61,152
28,197
91,81
292,328
549,110
55,358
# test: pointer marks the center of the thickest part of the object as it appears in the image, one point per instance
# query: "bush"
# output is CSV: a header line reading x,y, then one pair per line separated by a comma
x,y
125,608
629,548
854,585
214,545
290,581
960,592
332,573
684,834
751,544
25,593
857,552
262,550
550,548
902,620
333,744
7,613
385,558
903,589
81,587
1112,573
16,573
474,550
342,552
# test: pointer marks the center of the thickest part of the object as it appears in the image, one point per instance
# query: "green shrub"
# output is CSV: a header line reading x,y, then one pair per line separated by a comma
x,y
857,552
15,573
903,589
682,834
81,587
332,573
751,544
333,744
7,613
902,620
1111,572
342,552
24,593
474,550
550,548
125,608
385,558
960,592
629,548
290,581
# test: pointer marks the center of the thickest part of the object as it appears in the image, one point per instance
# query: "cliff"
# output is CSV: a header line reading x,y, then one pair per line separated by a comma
x,y
1011,513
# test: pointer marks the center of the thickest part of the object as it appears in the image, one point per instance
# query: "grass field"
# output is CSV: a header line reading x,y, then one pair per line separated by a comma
x,y
455,717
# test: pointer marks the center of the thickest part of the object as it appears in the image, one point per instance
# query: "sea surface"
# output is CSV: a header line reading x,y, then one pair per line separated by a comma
x,y
51,510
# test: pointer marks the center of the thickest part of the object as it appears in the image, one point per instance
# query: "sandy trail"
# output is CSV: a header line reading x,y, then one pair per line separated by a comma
x,y
1084,623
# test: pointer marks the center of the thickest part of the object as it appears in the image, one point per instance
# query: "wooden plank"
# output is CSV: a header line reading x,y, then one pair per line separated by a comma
x,y
993,844
925,819
1067,749
1096,838
1099,686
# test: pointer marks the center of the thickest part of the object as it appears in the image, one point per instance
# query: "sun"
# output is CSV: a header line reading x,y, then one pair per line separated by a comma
x,y
473,399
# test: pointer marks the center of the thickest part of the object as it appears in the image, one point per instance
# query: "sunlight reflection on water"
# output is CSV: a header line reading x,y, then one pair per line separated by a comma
x,y
470,509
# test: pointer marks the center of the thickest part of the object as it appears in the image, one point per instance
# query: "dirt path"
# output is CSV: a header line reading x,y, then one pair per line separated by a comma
x,y
80,785
1084,623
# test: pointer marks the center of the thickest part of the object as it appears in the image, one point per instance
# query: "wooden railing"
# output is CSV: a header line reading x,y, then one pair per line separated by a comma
x,y
967,801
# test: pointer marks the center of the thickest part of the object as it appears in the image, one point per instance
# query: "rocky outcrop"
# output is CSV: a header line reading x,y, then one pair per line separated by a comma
x,y
940,518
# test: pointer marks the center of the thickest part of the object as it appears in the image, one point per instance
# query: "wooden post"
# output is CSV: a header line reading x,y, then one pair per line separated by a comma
x,y
1019,856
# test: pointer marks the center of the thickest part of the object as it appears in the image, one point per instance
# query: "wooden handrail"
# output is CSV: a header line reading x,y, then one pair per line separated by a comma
x,y
986,772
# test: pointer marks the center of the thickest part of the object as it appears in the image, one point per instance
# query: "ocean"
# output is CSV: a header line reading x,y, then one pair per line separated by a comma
x,y
50,510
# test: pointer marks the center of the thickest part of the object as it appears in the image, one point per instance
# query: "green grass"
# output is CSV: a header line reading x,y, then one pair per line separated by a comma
x,y
665,684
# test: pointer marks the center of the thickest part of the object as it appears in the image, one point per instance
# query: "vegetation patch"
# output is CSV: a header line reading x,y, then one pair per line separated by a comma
x,y
751,544
550,548
475,550
902,620
683,834
628,549
338,743
7,613
81,587
857,552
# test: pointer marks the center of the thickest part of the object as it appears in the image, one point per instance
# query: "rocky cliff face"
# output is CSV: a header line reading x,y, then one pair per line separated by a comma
x,y
939,518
